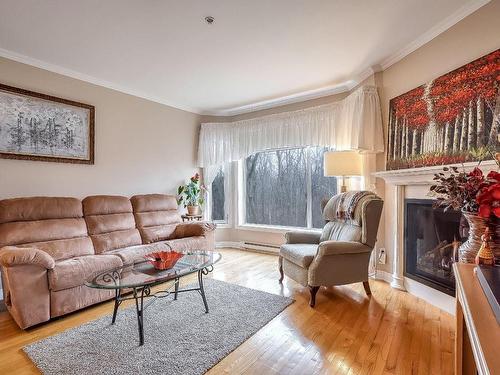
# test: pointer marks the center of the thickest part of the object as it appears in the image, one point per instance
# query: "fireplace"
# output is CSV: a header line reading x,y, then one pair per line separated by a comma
x,y
432,237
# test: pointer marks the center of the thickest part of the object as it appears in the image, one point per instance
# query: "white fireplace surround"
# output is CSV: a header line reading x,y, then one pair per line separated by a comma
x,y
399,181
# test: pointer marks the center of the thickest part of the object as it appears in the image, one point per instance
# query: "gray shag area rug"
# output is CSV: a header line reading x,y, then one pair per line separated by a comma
x,y
179,337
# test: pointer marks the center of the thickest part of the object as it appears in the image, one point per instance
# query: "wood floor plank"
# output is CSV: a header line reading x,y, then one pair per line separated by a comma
x,y
346,333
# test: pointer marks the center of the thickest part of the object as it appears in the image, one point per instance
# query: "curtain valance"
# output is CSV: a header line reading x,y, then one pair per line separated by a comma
x,y
354,123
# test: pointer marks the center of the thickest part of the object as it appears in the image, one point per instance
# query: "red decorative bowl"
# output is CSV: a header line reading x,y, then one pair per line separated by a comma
x,y
164,260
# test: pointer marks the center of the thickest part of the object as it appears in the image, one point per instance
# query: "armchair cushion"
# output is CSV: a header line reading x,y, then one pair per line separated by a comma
x,y
340,231
193,229
13,256
303,237
342,247
300,254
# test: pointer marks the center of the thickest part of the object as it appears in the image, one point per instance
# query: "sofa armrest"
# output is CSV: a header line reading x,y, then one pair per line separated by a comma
x,y
302,237
15,256
342,247
200,228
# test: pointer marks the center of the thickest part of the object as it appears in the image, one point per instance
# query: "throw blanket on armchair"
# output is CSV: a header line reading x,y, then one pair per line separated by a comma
x,y
347,202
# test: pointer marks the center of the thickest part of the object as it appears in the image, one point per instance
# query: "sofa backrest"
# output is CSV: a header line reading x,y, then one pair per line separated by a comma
x,y
110,222
156,216
52,224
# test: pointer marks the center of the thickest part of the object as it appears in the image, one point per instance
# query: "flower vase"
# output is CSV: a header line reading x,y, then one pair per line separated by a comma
x,y
477,225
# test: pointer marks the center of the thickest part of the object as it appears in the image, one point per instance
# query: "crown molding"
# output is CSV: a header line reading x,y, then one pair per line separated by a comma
x,y
298,97
289,99
91,79
433,32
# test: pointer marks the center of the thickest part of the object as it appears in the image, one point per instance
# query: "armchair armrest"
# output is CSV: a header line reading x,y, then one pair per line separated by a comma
x,y
13,256
342,247
302,237
193,229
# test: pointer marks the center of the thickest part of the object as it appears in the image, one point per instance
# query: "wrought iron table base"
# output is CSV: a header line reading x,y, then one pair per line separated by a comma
x,y
140,293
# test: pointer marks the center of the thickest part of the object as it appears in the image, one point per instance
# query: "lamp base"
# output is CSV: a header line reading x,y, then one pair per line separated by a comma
x,y
343,189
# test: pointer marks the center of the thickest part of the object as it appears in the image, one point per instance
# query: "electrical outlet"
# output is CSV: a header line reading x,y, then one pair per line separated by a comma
x,y
381,256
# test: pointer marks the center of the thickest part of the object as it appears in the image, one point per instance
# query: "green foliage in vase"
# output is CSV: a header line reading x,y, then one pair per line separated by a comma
x,y
191,194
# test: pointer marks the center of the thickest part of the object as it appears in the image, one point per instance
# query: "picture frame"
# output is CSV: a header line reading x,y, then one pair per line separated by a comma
x,y
40,127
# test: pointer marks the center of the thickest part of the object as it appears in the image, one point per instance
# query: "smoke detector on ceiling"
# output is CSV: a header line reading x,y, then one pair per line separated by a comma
x,y
209,19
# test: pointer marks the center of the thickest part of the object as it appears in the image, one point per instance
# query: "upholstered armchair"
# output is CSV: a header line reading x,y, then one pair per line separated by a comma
x,y
341,253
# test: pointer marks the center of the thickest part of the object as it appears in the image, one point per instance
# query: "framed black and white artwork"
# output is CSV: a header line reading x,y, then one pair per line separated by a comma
x,y
35,126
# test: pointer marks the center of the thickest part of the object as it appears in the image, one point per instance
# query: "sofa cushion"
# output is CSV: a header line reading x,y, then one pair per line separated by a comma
x,y
300,254
39,208
74,272
52,224
190,243
110,222
133,254
156,216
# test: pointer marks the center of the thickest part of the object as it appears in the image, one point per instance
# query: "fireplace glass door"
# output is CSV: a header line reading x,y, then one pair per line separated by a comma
x,y
432,238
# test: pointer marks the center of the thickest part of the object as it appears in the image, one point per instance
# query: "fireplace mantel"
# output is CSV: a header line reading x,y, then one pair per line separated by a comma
x,y
424,175
400,180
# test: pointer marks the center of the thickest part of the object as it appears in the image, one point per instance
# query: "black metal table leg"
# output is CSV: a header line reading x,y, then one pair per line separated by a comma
x,y
176,288
202,290
118,293
139,305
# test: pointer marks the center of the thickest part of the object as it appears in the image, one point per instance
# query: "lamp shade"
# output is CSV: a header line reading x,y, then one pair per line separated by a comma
x,y
342,163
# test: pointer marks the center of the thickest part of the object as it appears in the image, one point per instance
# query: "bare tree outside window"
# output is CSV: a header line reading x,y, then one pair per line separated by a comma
x,y
321,187
218,197
277,187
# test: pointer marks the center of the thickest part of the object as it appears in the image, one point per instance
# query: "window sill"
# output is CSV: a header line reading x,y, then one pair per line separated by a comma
x,y
222,225
274,228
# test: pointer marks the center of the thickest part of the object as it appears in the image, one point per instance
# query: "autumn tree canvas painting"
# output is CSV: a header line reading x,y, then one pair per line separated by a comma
x,y
452,119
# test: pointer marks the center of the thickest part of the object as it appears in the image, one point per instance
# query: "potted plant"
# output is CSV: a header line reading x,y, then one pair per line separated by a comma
x,y
190,195
478,197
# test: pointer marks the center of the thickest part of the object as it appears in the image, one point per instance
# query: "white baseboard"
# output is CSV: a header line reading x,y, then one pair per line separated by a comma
x,y
383,275
258,248
439,299
434,297
231,244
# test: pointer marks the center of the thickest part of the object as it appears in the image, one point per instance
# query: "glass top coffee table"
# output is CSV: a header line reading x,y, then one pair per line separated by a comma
x,y
141,276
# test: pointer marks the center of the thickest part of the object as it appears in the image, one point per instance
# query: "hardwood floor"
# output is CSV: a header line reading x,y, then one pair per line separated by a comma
x,y
346,333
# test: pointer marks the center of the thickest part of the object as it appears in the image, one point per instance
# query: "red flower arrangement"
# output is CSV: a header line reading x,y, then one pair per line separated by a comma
x,y
488,197
471,192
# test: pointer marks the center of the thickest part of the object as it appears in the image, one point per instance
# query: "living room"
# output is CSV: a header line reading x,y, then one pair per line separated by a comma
x,y
249,187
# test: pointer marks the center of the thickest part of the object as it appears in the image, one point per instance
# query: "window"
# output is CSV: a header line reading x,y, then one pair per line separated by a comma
x,y
218,197
285,187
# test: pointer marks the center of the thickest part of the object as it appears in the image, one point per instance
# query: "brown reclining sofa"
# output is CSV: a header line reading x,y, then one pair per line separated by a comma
x,y
49,246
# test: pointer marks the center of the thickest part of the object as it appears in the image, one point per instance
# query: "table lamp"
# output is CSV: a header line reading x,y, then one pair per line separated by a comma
x,y
342,163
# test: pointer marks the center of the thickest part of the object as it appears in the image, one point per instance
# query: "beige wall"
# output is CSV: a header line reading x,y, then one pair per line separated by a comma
x,y
473,37
140,146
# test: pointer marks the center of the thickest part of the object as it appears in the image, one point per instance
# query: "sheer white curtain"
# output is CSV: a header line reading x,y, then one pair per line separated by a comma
x,y
354,123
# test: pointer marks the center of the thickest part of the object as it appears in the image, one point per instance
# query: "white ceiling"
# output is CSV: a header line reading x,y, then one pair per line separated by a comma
x,y
256,54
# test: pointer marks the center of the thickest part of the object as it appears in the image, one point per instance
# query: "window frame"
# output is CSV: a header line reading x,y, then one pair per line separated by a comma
x,y
240,219
235,193
228,203
241,201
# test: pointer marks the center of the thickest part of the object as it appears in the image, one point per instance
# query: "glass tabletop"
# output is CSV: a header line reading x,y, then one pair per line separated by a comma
x,y
143,273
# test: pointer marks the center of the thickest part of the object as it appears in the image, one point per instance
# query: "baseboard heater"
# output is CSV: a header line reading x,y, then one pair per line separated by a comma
x,y
263,247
